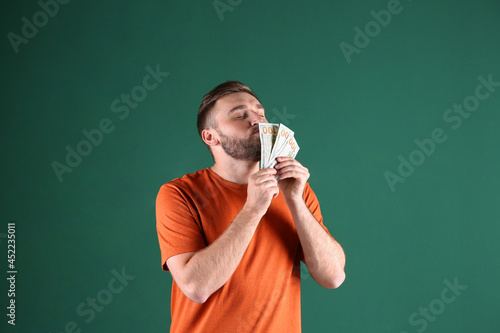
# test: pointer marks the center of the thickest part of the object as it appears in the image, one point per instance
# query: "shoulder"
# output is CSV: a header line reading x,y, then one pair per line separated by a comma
x,y
310,197
188,180
308,191
184,185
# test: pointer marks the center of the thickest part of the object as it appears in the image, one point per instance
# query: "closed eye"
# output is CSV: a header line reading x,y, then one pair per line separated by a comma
x,y
241,115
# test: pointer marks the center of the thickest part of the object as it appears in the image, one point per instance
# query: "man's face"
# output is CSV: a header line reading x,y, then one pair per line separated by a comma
x,y
237,117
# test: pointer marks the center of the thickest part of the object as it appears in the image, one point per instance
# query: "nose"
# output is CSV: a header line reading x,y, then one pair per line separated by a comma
x,y
255,118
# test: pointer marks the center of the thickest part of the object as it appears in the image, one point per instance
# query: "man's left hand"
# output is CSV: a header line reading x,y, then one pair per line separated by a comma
x,y
292,178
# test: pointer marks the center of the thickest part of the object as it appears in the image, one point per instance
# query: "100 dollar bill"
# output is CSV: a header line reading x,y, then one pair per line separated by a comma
x,y
267,134
284,146
276,140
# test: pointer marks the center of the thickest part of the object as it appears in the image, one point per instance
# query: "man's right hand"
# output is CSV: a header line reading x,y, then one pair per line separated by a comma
x,y
262,188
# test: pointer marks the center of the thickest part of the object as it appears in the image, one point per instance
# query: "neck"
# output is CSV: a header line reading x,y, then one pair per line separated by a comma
x,y
235,171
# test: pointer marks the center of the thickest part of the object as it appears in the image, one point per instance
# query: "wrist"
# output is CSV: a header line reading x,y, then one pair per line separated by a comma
x,y
298,200
251,214
296,205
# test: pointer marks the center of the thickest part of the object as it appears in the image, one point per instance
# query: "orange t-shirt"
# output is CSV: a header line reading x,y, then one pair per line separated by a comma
x,y
263,294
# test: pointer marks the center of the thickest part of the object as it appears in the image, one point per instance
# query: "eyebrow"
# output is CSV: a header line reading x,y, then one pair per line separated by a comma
x,y
239,107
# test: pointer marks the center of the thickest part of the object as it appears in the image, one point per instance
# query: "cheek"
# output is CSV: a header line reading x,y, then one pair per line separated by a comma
x,y
233,128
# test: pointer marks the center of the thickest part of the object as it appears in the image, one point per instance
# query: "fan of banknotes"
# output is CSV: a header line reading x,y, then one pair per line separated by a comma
x,y
276,140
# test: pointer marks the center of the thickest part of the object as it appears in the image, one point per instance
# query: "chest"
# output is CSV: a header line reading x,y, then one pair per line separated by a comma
x,y
218,208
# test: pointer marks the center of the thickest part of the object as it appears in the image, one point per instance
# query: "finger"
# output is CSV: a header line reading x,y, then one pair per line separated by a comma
x,y
284,158
276,193
259,177
292,173
268,171
293,168
262,177
269,183
266,181
271,192
288,162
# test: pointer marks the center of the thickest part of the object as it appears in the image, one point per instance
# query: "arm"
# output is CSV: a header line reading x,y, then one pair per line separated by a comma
x,y
323,255
200,274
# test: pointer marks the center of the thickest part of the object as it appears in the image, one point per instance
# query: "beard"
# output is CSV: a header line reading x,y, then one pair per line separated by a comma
x,y
241,149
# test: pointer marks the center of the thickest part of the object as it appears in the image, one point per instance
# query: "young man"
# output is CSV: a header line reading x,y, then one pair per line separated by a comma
x,y
233,235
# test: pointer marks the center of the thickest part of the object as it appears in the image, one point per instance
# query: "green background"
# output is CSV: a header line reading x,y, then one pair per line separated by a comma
x,y
352,121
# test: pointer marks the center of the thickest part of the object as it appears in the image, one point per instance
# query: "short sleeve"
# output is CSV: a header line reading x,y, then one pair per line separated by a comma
x,y
176,224
313,204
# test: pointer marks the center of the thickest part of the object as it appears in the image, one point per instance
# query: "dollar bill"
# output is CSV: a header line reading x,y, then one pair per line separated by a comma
x,y
268,133
284,146
277,140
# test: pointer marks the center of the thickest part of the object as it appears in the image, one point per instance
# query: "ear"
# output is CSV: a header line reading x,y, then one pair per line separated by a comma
x,y
210,137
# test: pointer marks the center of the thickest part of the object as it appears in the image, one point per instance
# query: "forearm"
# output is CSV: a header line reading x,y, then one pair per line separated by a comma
x,y
210,268
323,255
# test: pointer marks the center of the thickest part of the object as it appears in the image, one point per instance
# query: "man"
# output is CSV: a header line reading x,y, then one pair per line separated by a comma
x,y
233,236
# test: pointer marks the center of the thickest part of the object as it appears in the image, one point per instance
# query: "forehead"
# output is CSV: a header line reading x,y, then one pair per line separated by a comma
x,y
226,103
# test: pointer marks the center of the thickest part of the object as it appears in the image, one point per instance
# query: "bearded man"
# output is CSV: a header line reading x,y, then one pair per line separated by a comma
x,y
233,235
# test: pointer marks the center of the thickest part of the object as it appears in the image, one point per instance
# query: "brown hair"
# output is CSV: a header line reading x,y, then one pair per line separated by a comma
x,y
204,119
